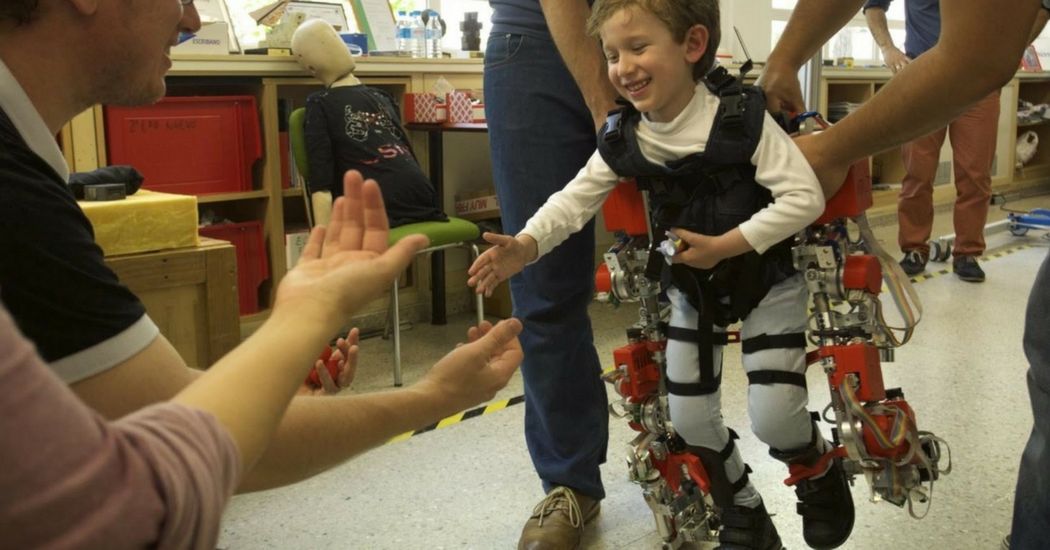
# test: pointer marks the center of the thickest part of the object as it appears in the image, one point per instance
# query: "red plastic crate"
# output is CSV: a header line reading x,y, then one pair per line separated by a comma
x,y
252,265
192,145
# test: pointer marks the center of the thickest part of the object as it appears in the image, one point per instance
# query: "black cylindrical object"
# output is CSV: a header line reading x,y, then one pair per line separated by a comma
x,y
471,40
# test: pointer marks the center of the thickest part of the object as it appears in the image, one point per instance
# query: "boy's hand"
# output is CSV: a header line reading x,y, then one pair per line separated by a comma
x,y
499,263
705,251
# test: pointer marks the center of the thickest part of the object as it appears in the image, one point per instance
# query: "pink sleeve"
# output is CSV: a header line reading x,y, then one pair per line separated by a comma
x,y
159,477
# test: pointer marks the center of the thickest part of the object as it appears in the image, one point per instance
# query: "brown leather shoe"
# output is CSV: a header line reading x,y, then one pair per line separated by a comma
x,y
557,521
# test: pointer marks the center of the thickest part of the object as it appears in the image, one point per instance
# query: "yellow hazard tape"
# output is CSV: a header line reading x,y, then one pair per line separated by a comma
x,y
999,253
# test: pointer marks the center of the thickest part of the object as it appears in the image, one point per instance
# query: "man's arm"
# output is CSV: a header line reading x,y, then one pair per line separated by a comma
x,y
880,31
567,21
812,23
978,51
1040,21
315,434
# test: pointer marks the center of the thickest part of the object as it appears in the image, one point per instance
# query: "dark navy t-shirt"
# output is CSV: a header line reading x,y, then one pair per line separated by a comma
x,y
922,23
358,127
520,17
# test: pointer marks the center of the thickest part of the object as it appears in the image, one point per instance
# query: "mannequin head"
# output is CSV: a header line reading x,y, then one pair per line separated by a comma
x,y
320,51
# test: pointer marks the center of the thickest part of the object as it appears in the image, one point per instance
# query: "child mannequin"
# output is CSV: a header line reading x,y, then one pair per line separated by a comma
x,y
353,126
738,235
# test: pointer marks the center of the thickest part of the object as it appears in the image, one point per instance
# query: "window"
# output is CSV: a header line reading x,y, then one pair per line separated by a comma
x,y
452,11
249,33
854,40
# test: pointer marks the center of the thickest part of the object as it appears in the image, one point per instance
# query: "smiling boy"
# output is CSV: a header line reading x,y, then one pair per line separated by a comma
x,y
724,177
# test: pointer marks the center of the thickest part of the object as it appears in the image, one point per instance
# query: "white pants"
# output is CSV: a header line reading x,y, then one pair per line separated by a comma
x,y
778,412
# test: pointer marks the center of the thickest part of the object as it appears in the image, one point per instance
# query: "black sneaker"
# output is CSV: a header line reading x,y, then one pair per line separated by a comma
x,y
914,262
746,528
826,507
966,268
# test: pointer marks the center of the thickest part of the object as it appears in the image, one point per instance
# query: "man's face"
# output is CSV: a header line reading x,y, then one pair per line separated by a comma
x,y
137,52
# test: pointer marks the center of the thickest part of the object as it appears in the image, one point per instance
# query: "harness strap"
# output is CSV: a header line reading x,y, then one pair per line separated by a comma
x,y
727,451
770,377
683,334
742,482
794,340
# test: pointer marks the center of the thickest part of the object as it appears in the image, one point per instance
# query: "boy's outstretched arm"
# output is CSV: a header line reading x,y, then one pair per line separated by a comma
x,y
508,256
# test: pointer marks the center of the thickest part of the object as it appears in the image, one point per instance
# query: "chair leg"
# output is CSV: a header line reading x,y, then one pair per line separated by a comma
x,y
396,313
479,302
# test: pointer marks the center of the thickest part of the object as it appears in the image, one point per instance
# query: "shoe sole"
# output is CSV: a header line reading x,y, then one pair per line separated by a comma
x,y
970,279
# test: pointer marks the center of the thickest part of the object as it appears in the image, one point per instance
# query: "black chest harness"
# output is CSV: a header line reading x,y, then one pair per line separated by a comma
x,y
709,192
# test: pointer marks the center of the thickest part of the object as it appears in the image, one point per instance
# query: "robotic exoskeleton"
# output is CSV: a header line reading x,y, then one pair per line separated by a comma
x,y
874,429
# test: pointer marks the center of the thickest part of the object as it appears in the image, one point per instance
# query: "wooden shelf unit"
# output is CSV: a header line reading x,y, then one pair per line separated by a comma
x,y
860,84
270,81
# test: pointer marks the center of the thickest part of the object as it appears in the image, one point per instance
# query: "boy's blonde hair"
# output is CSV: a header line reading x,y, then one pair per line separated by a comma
x,y
678,15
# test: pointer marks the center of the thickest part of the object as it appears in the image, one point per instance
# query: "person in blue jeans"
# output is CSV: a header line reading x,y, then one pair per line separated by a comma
x,y
542,115
1031,523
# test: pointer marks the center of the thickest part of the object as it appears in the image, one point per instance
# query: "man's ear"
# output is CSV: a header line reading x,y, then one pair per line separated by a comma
x,y
696,42
85,7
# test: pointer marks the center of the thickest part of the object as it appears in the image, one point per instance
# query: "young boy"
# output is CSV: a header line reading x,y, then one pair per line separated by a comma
x,y
737,215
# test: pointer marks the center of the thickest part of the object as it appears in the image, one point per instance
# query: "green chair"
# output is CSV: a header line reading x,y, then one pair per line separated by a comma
x,y
455,233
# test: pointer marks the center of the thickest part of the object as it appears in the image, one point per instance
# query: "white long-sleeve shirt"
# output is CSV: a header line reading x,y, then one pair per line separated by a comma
x,y
780,167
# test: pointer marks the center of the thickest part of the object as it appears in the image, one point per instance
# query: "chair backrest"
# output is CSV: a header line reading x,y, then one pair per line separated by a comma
x,y
297,138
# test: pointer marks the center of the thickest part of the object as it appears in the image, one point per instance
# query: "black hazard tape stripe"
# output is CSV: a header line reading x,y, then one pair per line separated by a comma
x,y
461,416
926,276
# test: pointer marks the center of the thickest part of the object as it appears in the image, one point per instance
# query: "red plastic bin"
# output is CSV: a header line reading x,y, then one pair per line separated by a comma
x,y
252,266
192,145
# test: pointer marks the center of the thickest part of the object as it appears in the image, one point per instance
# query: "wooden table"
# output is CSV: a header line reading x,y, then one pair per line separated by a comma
x,y
191,294
436,148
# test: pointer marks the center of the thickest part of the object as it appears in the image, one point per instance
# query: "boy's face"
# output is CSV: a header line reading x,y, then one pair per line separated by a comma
x,y
647,66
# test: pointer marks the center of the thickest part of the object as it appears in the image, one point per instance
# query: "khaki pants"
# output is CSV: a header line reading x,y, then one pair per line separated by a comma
x,y
973,136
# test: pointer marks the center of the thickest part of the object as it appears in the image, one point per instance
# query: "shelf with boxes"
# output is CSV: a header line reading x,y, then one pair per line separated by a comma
x,y
276,207
844,90
1032,128
204,139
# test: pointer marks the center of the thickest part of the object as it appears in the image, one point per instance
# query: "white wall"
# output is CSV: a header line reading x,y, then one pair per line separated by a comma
x,y
752,18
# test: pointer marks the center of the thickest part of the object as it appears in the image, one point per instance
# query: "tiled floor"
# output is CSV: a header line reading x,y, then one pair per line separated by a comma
x,y
471,484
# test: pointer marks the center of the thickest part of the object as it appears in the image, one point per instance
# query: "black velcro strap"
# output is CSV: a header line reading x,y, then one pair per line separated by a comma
x,y
692,389
769,377
690,335
818,512
727,451
774,341
739,484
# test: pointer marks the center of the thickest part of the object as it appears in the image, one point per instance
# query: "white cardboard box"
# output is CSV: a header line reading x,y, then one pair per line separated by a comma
x,y
213,38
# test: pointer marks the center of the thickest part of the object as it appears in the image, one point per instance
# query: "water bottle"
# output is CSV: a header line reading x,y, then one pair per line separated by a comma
x,y
433,34
418,35
404,33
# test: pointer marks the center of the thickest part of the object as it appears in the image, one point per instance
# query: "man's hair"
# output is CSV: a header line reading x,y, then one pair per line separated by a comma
x,y
19,12
678,15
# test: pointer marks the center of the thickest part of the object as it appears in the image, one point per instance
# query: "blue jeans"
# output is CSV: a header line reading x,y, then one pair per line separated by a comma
x,y
1031,524
541,133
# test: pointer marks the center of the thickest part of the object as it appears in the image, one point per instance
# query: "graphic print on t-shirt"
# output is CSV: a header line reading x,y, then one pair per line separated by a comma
x,y
360,123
